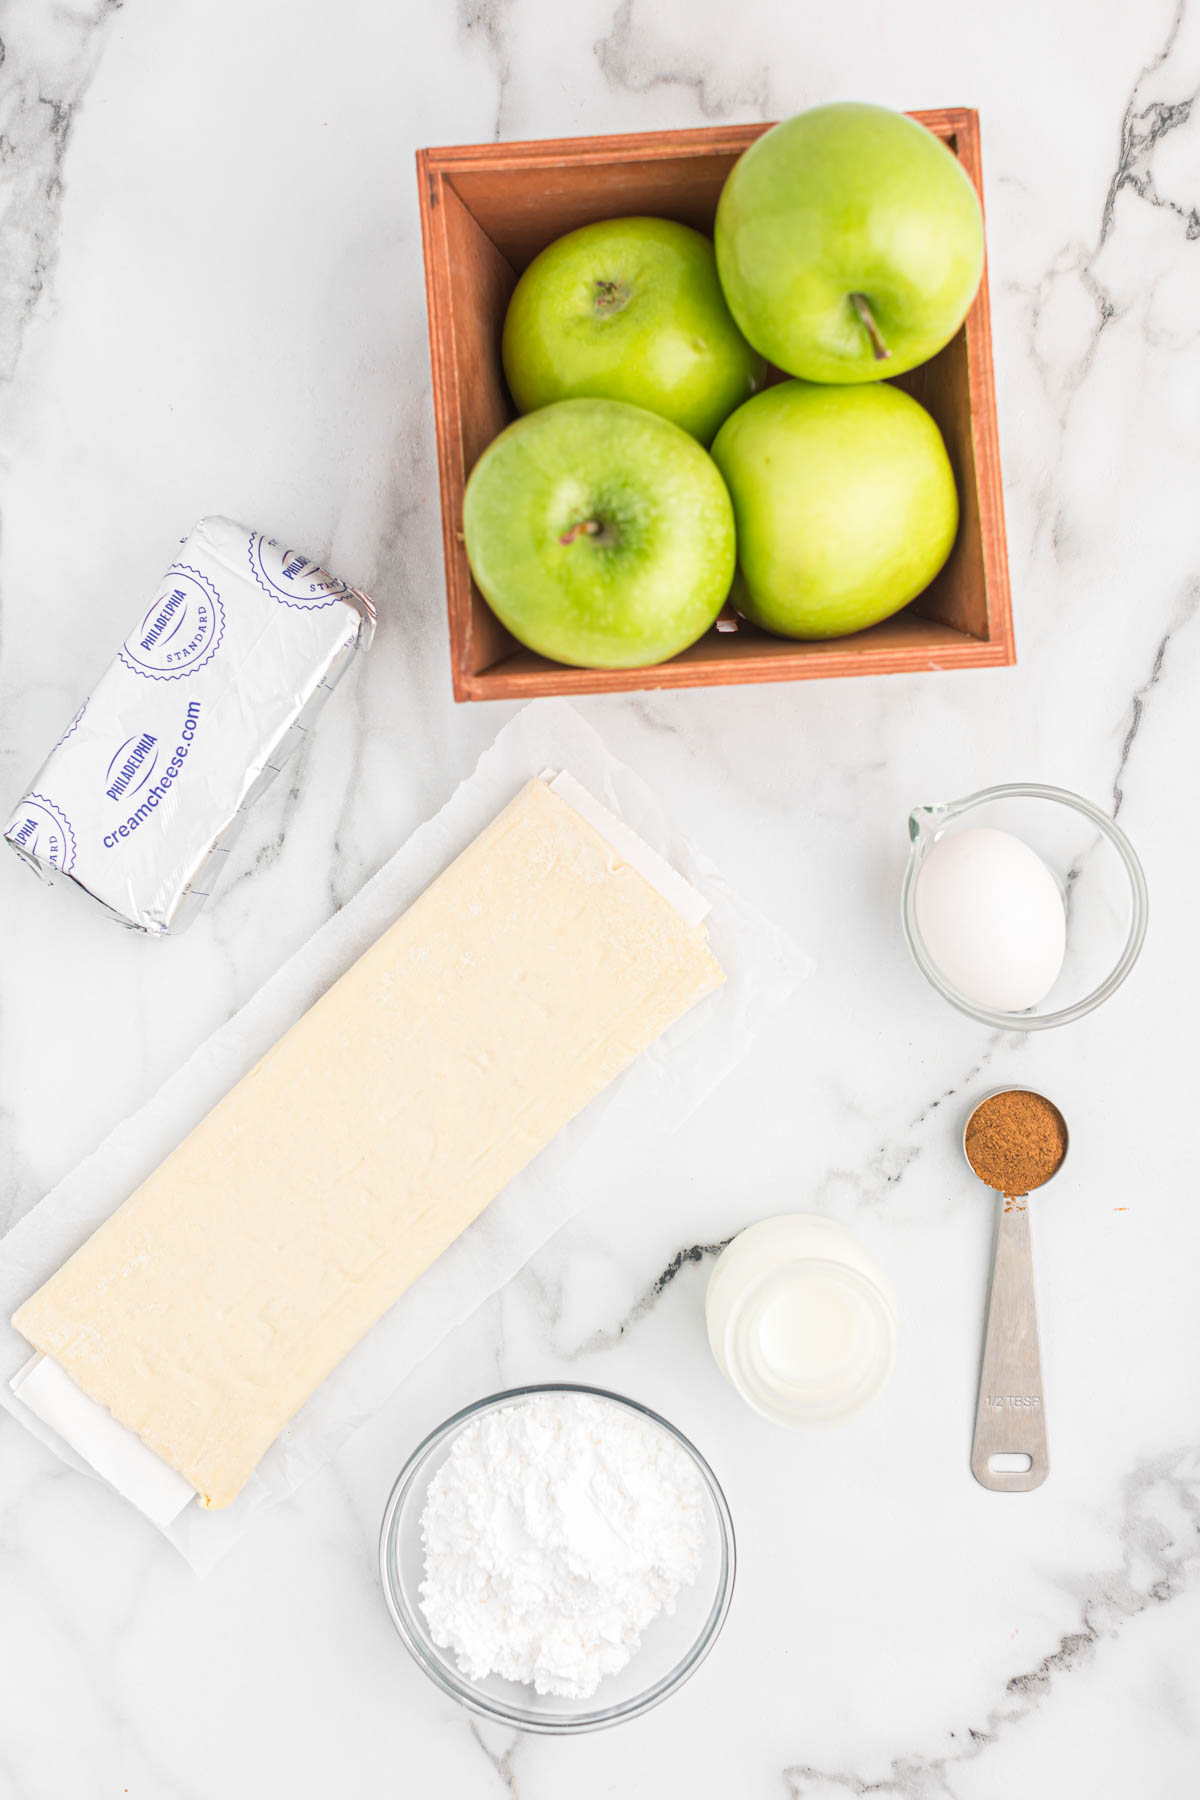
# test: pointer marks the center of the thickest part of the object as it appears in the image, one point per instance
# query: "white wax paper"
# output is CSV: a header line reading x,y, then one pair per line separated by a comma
x,y
653,1098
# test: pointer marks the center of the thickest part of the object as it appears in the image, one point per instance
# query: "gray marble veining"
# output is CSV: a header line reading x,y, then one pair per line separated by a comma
x,y
211,298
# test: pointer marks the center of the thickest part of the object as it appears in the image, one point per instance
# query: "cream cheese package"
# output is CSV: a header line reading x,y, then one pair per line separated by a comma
x,y
215,687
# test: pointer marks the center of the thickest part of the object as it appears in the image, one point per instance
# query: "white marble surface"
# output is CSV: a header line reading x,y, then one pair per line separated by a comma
x,y
211,299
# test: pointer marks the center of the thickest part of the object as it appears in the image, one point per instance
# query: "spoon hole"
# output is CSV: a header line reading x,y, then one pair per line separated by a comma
x,y
1010,1462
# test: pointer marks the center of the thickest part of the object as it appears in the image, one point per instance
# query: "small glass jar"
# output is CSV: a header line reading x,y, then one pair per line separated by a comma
x,y
1097,872
802,1320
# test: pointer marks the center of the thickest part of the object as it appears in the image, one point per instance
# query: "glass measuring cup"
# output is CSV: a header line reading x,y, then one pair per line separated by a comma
x,y
1010,1452
1099,877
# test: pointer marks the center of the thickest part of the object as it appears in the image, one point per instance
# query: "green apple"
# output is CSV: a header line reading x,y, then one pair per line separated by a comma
x,y
630,309
600,534
850,243
845,505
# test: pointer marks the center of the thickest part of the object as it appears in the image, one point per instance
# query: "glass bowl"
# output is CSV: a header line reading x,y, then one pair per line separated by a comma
x,y
672,1648
1098,875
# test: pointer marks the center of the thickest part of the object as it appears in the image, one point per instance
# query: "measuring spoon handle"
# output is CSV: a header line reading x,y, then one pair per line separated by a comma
x,y
1011,1415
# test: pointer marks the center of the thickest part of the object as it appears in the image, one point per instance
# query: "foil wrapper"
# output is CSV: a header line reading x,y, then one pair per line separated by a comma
x,y
215,687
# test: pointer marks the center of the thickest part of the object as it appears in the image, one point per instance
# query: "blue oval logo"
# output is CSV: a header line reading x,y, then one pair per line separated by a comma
x,y
131,765
180,629
292,577
42,830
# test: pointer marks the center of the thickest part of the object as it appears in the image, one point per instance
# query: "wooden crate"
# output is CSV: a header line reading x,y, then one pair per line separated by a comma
x,y
486,211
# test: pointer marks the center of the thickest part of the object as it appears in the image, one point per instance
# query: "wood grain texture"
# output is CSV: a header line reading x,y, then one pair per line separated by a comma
x,y
486,211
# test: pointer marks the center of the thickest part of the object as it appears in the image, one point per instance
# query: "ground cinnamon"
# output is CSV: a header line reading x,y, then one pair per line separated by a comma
x,y
1015,1141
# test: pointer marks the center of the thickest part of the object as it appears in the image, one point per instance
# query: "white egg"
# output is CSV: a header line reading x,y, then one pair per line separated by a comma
x,y
992,918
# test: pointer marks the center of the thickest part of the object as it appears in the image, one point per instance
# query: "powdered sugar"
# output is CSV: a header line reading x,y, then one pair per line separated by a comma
x,y
555,1532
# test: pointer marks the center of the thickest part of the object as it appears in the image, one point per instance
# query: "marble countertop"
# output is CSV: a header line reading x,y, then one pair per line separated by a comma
x,y
211,300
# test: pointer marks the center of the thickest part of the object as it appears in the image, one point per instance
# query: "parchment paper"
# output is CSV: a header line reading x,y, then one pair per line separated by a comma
x,y
653,1098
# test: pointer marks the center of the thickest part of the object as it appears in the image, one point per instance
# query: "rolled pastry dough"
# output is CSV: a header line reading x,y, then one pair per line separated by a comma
x,y
206,1310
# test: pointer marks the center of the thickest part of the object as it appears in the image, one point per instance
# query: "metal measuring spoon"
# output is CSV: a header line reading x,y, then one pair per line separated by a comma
x,y
1010,1419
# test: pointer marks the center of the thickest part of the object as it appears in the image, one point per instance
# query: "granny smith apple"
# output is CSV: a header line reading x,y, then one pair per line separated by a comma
x,y
630,309
600,534
845,504
849,243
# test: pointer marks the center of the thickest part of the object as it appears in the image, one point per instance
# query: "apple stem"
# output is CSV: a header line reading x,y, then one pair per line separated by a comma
x,y
862,307
584,528
610,296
